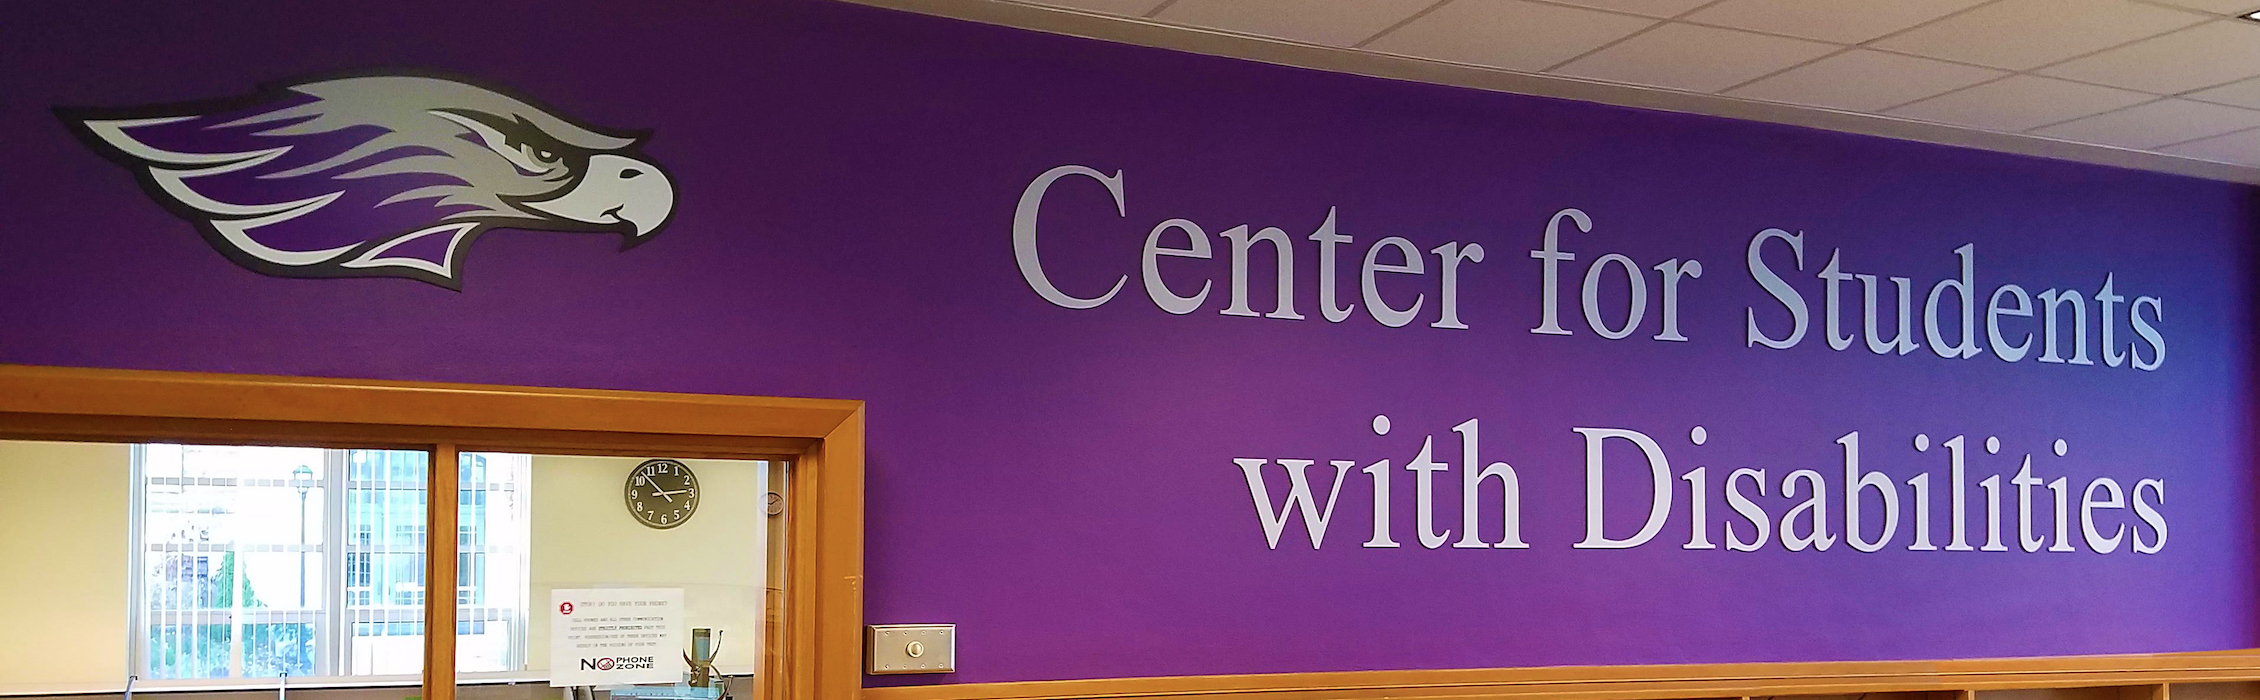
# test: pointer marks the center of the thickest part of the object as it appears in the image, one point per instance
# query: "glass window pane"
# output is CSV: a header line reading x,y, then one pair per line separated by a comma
x,y
230,549
490,563
383,563
533,524
192,565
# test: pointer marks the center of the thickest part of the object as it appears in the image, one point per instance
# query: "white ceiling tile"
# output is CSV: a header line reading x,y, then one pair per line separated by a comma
x,y
1330,22
1841,21
1865,81
1689,57
2097,66
1127,8
2243,93
2028,34
2020,102
2219,7
1510,34
2155,124
2208,54
2242,147
1651,8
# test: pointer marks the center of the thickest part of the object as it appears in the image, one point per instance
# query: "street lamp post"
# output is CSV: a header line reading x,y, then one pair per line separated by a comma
x,y
303,478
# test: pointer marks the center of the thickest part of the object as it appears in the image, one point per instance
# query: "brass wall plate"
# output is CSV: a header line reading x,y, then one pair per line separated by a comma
x,y
893,649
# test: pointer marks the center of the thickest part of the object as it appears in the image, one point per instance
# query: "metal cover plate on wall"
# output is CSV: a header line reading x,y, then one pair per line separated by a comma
x,y
890,649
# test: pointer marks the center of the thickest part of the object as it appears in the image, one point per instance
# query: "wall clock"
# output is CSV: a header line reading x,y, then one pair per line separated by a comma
x,y
662,493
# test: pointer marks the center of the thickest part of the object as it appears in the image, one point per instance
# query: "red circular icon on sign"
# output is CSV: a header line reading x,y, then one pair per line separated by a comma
x,y
565,608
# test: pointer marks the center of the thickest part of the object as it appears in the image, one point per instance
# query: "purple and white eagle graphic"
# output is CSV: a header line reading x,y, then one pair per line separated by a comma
x,y
389,175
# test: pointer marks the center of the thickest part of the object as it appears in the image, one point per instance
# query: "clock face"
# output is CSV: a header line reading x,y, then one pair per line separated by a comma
x,y
662,493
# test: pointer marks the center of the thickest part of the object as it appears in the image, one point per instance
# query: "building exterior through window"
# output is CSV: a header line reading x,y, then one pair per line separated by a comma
x,y
270,561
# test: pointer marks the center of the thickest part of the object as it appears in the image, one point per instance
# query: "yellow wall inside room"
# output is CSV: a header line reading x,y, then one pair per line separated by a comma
x,y
64,512
583,537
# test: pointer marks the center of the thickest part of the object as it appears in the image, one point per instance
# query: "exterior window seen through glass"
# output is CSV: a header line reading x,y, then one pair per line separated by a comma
x,y
265,561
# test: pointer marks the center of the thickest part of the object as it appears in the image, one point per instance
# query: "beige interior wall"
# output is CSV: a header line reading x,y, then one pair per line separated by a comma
x,y
64,511
2216,691
583,537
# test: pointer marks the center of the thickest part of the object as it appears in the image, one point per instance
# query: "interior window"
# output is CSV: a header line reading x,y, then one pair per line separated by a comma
x,y
259,562
701,526
231,566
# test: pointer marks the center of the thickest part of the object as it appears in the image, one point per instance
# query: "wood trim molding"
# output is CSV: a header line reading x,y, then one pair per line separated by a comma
x,y
824,631
442,481
1636,682
836,639
824,437
43,426
72,391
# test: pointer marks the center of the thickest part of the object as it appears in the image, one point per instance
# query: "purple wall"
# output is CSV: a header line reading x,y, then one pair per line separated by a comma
x,y
1060,483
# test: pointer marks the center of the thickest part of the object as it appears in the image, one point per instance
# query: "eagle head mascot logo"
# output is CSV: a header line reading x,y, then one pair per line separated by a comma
x,y
380,175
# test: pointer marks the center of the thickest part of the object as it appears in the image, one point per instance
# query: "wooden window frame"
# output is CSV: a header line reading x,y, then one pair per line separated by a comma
x,y
823,599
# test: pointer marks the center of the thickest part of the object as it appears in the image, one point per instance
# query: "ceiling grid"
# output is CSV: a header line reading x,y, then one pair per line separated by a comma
x,y
2174,78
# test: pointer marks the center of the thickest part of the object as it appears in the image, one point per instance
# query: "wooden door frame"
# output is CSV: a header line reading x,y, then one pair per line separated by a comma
x,y
823,438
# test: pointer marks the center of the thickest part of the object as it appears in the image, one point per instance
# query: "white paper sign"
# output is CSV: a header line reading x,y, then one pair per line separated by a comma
x,y
616,636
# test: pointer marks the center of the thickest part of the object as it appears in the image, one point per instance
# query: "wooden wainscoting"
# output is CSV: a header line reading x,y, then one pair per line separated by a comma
x,y
2207,676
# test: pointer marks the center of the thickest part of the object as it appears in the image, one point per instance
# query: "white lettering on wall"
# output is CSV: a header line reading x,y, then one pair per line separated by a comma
x,y
1024,235
1396,259
1875,513
1659,478
1394,281
1550,256
2064,313
1299,500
